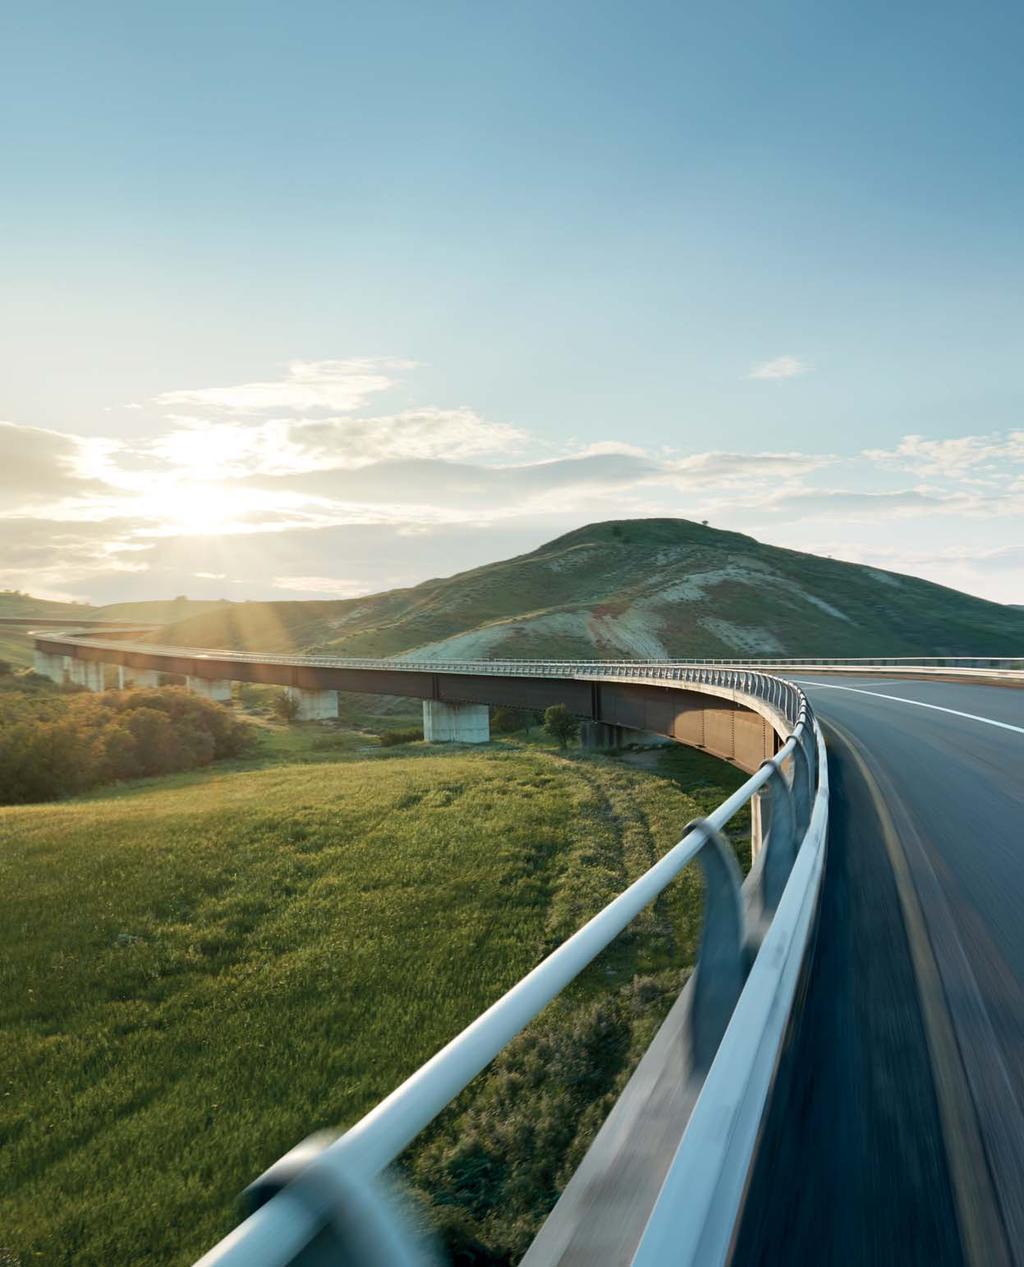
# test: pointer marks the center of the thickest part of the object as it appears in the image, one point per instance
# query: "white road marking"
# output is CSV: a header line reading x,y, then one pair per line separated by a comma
x,y
902,699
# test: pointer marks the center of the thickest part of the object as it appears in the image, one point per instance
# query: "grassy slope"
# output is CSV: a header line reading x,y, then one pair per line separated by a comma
x,y
16,647
201,970
701,591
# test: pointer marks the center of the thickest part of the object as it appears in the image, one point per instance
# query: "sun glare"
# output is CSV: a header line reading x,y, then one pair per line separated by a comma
x,y
201,508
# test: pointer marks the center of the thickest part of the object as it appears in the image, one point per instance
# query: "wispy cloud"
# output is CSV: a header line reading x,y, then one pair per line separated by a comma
x,y
955,456
337,587
780,367
308,387
263,486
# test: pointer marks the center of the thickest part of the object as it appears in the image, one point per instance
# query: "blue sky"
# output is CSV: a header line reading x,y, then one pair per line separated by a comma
x,y
674,232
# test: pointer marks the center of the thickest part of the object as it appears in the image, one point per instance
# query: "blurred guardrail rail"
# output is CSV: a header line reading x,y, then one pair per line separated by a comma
x,y
688,1120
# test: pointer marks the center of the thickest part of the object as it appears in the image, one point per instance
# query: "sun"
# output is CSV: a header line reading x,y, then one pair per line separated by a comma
x,y
201,508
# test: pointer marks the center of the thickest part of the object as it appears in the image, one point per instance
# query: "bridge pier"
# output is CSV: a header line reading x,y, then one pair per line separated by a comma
x,y
599,736
313,705
87,673
456,723
51,666
210,687
127,676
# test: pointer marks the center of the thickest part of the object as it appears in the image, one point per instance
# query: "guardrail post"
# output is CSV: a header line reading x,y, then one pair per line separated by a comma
x,y
801,782
359,1225
779,841
721,962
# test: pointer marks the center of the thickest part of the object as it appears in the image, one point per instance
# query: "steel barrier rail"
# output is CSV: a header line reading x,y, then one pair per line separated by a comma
x,y
334,1191
624,668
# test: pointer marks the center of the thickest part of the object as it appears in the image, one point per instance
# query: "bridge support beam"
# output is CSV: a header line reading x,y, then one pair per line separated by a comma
x,y
51,666
87,673
127,676
456,723
210,687
313,705
599,736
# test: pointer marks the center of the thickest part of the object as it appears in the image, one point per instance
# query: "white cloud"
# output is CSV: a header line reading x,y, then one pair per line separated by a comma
x,y
333,585
263,486
449,434
955,457
308,387
780,367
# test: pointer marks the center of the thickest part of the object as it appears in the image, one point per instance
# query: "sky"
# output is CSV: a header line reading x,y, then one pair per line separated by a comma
x,y
308,300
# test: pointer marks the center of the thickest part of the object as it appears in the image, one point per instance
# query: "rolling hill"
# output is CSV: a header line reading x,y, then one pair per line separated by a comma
x,y
16,647
633,589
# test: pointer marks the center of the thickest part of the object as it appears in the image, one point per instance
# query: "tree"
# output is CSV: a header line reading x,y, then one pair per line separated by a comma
x,y
560,724
505,721
286,707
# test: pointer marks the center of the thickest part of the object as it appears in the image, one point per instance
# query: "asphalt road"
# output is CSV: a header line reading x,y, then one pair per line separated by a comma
x,y
896,1133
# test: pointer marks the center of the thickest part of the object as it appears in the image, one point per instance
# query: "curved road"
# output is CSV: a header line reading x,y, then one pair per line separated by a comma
x,y
897,1130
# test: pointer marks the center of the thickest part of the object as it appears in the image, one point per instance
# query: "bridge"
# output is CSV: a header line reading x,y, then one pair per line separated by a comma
x,y
841,1079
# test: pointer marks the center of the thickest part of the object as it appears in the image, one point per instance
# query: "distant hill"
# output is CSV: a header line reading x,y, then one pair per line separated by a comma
x,y
16,647
633,588
160,610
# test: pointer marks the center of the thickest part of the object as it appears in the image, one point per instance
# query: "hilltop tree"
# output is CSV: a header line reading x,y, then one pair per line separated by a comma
x,y
561,725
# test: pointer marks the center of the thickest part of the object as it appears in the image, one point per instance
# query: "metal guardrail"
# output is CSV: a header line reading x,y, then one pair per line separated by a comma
x,y
334,1194
775,691
577,668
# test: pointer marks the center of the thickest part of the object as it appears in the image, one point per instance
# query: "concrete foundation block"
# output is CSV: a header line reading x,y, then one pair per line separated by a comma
x,y
51,666
210,687
127,676
313,705
456,723
599,736
87,673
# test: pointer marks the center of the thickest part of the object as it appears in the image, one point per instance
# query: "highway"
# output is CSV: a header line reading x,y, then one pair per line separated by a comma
x,y
897,1130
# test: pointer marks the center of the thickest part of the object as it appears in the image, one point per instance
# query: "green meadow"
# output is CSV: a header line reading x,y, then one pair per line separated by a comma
x,y
202,969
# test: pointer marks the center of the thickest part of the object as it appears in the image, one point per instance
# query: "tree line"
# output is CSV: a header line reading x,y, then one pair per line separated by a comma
x,y
55,744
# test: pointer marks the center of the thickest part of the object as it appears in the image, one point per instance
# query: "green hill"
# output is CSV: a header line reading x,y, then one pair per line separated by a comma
x,y
634,588
200,971
16,647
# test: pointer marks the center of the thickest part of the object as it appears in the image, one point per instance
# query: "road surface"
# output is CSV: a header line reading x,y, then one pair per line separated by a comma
x,y
897,1132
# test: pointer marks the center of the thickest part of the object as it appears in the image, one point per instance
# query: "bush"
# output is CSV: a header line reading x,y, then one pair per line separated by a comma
x,y
504,721
56,745
286,707
391,738
560,724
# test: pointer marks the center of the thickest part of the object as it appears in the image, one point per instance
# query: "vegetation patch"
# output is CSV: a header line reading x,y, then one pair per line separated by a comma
x,y
200,972
55,743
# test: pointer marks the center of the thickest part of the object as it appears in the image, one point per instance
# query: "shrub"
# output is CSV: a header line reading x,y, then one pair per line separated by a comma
x,y
286,707
390,738
57,745
560,724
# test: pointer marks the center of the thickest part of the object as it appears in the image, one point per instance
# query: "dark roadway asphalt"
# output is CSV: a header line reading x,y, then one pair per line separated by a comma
x,y
896,1132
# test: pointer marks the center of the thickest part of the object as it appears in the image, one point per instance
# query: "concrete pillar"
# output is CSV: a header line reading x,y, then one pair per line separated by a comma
x,y
210,687
456,723
51,666
87,673
313,705
127,676
600,736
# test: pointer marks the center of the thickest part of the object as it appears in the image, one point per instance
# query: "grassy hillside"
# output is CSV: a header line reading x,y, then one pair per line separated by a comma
x,y
635,588
16,646
199,971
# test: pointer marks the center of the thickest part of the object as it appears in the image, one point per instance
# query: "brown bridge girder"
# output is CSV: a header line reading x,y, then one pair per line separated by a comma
x,y
718,726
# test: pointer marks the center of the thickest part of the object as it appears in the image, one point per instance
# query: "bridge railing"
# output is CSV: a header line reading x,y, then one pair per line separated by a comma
x,y
581,668
335,1194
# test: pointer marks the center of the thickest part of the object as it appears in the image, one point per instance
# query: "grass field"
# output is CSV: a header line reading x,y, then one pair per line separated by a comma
x,y
201,970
